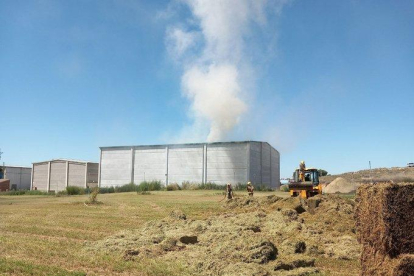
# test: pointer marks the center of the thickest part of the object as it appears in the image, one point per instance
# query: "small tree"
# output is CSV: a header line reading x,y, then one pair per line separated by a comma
x,y
93,196
322,172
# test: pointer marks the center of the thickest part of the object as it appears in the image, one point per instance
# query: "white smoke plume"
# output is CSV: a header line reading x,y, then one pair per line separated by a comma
x,y
217,65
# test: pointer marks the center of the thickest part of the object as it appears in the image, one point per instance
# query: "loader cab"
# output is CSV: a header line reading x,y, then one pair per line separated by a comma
x,y
311,176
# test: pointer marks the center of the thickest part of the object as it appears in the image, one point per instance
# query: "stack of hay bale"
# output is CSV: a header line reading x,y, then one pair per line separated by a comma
x,y
4,185
385,224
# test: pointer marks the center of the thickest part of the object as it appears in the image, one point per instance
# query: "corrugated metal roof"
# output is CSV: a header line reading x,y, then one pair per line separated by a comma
x,y
64,159
11,166
184,144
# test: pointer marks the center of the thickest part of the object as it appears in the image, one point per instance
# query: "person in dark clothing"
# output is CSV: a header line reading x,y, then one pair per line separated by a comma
x,y
229,191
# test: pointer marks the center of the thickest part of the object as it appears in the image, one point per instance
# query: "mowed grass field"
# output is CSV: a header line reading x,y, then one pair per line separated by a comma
x,y
46,235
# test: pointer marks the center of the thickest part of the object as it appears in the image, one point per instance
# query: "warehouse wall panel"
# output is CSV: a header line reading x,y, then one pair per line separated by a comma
x,y
255,170
19,177
265,164
227,163
57,176
115,167
185,163
234,162
40,176
150,164
76,174
275,166
92,178
26,179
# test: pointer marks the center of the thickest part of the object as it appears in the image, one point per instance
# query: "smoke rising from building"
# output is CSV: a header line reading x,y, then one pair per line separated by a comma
x,y
211,47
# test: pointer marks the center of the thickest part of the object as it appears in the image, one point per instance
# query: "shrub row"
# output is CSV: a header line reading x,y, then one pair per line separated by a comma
x,y
213,186
26,192
144,186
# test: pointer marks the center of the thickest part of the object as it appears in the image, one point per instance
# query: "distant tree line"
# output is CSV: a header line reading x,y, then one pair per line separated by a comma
x,y
322,172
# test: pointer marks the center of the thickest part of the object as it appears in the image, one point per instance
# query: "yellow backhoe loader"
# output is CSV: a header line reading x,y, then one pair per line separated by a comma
x,y
305,182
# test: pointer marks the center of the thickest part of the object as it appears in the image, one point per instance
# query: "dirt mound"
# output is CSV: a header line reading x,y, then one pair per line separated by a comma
x,y
396,174
256,236
385,228
340,185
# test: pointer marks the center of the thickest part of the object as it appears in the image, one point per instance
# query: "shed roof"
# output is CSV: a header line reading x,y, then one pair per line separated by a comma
x,y
10,166
183,144
64,159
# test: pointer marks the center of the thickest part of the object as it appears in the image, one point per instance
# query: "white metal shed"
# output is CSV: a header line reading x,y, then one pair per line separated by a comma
x,y
57,174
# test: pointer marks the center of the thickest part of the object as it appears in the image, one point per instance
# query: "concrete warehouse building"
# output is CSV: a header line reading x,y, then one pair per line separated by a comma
x,y
222,162
57,174
19,176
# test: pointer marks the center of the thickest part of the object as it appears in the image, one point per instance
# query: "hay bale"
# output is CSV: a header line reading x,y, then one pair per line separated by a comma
x,y
376,264
384,218
340,185
404,266
385,226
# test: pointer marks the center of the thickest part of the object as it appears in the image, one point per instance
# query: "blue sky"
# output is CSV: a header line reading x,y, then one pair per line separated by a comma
x,y
333,80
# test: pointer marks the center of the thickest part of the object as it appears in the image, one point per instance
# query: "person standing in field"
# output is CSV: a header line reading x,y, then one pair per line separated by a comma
x,y
250,188
229,191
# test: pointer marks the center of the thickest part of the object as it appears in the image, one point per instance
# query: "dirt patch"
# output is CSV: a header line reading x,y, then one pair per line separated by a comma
x,y
340,185
396,174
189,239
255,236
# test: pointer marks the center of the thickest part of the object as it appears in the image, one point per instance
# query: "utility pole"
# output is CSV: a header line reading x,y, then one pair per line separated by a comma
x,y
370,171
3,164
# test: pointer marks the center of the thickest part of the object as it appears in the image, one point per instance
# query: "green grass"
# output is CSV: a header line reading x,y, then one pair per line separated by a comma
x,y
11,267
46,235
